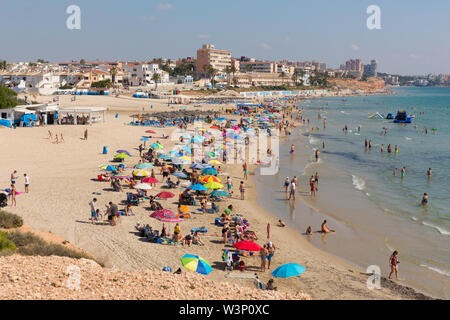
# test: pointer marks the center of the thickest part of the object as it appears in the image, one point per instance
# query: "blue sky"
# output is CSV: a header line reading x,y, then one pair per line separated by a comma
x,y
414,36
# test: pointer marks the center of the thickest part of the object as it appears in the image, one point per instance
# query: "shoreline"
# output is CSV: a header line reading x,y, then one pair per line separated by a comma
x,y
327,276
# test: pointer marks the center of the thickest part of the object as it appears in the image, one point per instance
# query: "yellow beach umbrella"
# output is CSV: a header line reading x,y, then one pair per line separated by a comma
x,y
185,158
140,173
213,185
214,161
207,179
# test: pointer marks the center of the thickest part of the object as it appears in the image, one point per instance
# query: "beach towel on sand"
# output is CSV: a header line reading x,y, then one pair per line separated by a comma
x,y
240,275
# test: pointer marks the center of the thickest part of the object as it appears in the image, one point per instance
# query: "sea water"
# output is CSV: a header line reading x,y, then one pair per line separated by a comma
x,y
358,189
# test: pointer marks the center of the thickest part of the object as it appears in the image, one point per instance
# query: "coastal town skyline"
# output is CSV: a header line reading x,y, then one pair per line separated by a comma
x,y
341,34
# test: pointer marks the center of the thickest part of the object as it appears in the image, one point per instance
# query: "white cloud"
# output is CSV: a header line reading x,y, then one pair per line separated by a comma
x,y
165,6
203,36
266,46
354,47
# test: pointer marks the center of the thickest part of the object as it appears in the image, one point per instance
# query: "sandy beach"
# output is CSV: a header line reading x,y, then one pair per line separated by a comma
x,y
63,182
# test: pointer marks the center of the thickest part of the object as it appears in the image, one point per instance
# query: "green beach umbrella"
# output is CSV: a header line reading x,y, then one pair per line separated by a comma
x,y
196,263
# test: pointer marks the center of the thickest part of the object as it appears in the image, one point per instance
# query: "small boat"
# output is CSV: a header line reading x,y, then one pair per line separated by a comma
x,y
402,117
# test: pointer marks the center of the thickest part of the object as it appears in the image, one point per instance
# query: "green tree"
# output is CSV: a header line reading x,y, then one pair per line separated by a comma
x,y
8,98
282,76
156,77
228,72
113,73
82,62
3,65
211,73
102,84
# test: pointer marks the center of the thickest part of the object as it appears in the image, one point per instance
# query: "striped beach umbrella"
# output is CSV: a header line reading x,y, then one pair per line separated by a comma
x,y
165,195
142,186
207,179
140,173
166,215
196,263
121,156
120,176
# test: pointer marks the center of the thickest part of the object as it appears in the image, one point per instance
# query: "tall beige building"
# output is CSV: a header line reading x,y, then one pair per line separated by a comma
x,y
218,59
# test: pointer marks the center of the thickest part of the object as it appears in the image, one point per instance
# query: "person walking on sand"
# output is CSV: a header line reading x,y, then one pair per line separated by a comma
x,y
393,262
292,193
62,139
244,168
264,254
287,182
229,185
13,177
50,136
316,154
86,134
242,190
271,252
93,210
292,149
27,182
12,194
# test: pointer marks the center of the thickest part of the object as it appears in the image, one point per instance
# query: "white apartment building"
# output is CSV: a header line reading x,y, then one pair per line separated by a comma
x,y
141,74
42,83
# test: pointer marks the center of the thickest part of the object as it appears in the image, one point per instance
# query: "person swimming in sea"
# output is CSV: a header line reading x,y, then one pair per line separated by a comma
x,y
292,149
429,172
403,172
316,154
425,199
396,149
395,172
389,148
308,231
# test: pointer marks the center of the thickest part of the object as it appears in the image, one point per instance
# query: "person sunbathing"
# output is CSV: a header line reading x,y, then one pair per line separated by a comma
x,y
196,239
187,240
325,227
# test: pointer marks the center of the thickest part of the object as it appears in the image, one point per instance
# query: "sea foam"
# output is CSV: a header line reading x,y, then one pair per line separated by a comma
x,y
359,182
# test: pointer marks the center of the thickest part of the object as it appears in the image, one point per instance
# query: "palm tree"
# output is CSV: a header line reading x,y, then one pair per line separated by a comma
x,y
282,76
211,72
295,77
156,77
228,72
3,65
113,73
248,69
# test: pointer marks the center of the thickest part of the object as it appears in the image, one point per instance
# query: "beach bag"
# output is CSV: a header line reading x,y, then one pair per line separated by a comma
x,y
167,269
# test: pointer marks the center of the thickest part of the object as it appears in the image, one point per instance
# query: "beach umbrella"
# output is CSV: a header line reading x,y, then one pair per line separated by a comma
x,y
211,154
198,187
120,176
196,263
144,166
247,246
150,180
164,157
121,156
166,215
150,131
209,171
140,173
200,166
143,186
156,146
144,139
220,193
185,158
188,150
123,151
214,162
213,185
180,175
288,270
165,195
214,127
110,168
209,178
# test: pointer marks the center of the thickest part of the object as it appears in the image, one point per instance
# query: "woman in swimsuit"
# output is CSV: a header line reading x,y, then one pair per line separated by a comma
x,y
286,184
425,199
393,262
264,254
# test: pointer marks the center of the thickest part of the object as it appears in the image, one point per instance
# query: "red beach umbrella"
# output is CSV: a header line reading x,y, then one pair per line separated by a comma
x,y
165,215
150,131
165,195
247,246
150,180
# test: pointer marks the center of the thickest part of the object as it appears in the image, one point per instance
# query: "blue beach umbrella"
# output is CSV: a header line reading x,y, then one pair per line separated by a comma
x,y
220,193
110,168
144,166
196,263
180,175
164,157
209,171
288,270
198,187
144,139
